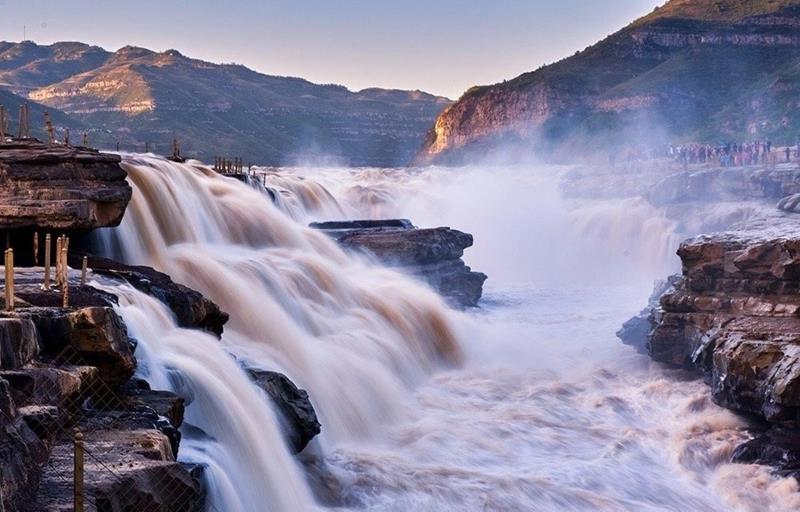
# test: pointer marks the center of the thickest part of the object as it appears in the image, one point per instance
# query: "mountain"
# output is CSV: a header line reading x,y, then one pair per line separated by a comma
x,y
137,96
25,66
705,70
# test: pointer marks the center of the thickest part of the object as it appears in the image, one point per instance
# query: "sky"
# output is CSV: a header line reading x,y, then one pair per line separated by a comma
x,y
439,46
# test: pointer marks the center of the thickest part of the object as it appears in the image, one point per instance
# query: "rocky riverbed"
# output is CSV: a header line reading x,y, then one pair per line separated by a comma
x,y
733,314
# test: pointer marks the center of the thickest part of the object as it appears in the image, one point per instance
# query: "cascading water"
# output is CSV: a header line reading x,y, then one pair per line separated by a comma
x,y
354,335
247,467
548,410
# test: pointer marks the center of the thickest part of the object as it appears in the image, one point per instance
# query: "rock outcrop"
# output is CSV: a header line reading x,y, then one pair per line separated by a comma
x,y
60,187
734,316
433,255
192,310
297,415
635,82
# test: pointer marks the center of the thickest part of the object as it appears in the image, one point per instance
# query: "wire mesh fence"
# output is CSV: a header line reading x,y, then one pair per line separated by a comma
x,y
105,449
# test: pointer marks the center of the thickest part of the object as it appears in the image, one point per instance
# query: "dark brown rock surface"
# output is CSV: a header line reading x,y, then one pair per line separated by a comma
x,y
734,316
60,187
433,255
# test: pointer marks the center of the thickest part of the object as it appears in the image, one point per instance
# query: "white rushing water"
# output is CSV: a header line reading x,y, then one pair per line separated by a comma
x,y
528,403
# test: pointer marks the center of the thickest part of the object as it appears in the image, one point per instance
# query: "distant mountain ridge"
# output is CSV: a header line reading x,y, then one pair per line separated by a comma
x,y
691,70
137,96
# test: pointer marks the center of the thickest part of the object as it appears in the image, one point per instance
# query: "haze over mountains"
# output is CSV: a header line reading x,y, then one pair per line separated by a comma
x,y
693,70
136,96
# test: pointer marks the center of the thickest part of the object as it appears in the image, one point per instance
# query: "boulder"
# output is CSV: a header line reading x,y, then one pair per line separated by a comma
x,y
777,446
21,454
19,343
94,336
294,408
432,255
790,203
60,187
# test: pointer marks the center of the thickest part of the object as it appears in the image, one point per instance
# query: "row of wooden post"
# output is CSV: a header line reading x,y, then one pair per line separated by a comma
x,y
224,165
24,126
61,271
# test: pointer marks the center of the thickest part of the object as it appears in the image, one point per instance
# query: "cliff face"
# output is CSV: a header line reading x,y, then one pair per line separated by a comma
x,y
136,96
691,69
734,316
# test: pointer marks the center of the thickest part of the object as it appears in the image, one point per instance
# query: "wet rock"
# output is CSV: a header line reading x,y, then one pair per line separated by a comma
x,y
125,471
636,330
778,447
192,310
433,255
790,203
734,316
725,184
60,187
293,405
95,336
19,343
21,454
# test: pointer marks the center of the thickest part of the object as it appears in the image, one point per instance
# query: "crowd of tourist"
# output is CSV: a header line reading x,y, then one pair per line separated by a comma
x,y
731,154
728,154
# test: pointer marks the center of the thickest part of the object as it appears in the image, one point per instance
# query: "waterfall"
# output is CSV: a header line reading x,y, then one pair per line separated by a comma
x,y
247,467
356,336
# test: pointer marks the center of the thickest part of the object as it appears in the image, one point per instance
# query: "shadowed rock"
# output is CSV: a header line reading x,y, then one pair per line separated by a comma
x,y
298,417
433,255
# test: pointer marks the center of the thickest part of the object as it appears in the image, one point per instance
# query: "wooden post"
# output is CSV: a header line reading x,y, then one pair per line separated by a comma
x,y
51,136
84,264
9,264
65,273
59,245
36,248
46,284
117,146
24,131
78,472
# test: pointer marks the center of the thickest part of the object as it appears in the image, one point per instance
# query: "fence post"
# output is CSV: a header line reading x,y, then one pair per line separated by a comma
x,y
9,263
51,135
78,472
84,264
65,273
59,245
46,284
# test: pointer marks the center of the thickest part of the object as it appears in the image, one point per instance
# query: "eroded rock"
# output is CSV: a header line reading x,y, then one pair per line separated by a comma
x,y
298,417
60,187
433,255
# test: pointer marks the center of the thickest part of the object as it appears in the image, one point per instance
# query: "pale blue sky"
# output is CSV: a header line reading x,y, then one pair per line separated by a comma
x,y
441,46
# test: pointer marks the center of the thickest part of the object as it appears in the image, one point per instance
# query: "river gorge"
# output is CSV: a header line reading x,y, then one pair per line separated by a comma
x,y
398,397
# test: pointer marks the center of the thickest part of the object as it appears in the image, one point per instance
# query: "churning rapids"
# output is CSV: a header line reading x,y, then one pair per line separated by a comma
x,y
527,403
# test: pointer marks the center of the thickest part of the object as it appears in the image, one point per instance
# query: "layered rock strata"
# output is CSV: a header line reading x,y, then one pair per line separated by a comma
x,y
59,187
432,255
734,316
